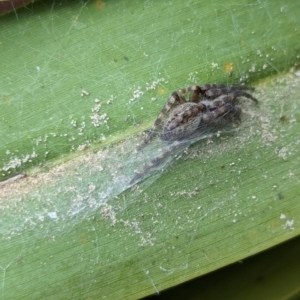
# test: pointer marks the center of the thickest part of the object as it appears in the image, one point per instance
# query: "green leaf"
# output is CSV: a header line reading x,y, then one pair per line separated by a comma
x,y
125,55
81,77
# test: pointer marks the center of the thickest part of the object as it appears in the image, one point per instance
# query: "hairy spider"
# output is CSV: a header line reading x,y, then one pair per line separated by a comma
x,y
211,106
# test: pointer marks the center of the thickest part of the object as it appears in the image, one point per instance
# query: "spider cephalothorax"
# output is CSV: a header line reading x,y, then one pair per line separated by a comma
x,y
210,106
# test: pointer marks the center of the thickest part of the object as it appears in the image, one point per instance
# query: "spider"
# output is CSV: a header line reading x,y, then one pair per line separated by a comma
x,y
209,107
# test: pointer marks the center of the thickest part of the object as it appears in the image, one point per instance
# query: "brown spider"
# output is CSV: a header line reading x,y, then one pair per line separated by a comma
x,y
210,106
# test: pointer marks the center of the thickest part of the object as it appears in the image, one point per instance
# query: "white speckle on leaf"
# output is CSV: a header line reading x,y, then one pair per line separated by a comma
x,y
153,85
289,224
16,162
215,65
74,123
52,215
84,93
282,216
138,93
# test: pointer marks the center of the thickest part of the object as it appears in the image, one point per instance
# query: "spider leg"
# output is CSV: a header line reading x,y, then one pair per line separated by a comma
x,y
175,98
212,116
229,98
213,91
210,86
156,161
221,110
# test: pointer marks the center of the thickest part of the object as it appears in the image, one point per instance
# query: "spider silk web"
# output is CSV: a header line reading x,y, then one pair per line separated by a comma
x,y
79,188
